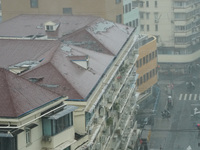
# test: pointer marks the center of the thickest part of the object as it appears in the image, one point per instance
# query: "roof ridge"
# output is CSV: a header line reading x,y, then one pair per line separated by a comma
x,y
66,79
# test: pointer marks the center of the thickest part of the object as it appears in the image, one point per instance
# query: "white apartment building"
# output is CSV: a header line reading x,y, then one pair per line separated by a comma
x,y
175,23
131,14
91,61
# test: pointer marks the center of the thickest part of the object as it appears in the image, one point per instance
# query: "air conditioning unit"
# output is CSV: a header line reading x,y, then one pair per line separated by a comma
x,y
46,138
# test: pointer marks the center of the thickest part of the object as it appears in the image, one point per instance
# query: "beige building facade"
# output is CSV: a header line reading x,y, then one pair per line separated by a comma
x,y
109,10
147,65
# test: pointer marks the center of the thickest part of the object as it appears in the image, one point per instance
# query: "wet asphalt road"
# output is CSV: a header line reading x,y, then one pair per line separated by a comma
x,y
178,132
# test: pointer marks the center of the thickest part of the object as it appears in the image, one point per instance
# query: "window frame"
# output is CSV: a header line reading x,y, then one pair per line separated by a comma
x,y
28,136
67,11
56,126
34,3
117,1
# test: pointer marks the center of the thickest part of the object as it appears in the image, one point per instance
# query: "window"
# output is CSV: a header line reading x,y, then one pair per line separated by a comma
x,y
49,28
151,74
134,4
126,8
117,1
144,78
147,15
142,27
147,27
8,143
140,80
28,136
129,7
156,4
150,57
34,3
141,15
119,19
141,4
156,15
130,24
147,59
137,64
144,60
147,76
67,11
147,3
140,62
136,22
156,27
53,126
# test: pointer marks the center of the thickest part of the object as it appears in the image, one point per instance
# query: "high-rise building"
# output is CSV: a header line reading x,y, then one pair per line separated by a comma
x,y
175,23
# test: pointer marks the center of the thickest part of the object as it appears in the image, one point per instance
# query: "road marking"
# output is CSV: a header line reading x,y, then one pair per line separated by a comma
x,y
180,97
190,97
195,97
185,96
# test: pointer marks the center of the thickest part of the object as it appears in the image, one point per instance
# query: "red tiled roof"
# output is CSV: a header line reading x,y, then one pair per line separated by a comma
x,y
84,35
18,96
16,51
71,80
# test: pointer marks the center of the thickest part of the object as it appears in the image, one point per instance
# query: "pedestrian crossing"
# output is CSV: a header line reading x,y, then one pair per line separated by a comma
x,y
190,97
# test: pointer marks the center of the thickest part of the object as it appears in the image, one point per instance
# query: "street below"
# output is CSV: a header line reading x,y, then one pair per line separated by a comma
x,y
179,131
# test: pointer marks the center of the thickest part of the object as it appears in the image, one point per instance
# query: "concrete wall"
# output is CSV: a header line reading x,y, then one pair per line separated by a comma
x,y
105,8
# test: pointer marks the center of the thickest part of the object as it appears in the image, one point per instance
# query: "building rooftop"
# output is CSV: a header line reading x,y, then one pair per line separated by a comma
x,y
70,60
19,96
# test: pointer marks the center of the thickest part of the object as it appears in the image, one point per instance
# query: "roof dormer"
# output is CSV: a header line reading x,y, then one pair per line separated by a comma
x,y
82,61
51,26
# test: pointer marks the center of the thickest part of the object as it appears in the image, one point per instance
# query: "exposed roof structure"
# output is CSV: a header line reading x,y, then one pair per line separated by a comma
x,y
18,96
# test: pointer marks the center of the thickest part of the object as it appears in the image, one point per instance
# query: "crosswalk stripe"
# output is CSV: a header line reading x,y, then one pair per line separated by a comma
x,y
195,97
180,97
190,97
185,96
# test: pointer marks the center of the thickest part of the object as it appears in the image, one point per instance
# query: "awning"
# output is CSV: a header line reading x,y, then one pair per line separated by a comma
x,y
31,126
14,132
67,109
8,135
